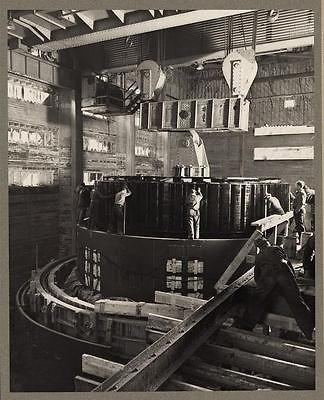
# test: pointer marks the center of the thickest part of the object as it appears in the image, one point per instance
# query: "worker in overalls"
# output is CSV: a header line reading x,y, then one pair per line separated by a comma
x,y
193,213
273,275
119,209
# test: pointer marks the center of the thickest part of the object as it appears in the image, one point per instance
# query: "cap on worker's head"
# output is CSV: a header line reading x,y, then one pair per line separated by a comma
x,y
300,183
261,242
267,196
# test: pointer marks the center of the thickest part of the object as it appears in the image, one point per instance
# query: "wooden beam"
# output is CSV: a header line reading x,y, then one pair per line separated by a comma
x,y
178,300
177,384
266,345
282,322
158,362
283,130
266,223
228,379
298,375
161,323
237,261
138,309
102,368
283,153
82,384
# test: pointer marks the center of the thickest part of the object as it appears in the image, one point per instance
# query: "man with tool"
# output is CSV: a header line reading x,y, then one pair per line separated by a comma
x,y
119,208
273,275
193,213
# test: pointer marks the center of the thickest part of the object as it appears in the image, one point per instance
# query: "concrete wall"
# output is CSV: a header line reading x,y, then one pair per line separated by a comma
x,y
40,145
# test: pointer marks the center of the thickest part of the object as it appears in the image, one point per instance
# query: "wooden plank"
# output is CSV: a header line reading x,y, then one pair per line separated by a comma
x,y
138,309
237,261
266,223
83,384
178,300
228,379
243,340
158,362
284,153
161,323
176,385
282,322
102,368
283,130
298,375
266,345
99,367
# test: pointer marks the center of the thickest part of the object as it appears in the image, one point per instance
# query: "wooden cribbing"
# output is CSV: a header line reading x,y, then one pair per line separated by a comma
x,y
298,375
237,261
151,368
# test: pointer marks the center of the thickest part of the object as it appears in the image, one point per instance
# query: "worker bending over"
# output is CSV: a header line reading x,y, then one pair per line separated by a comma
x,y
193,214
273,275
119,208
274,206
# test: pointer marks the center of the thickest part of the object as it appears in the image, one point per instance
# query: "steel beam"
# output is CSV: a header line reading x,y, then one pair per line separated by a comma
x,y
171,21
151,368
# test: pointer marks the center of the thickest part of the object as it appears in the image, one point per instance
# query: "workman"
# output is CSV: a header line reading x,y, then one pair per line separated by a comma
x,y
119,208
274,206
273,275
309,258
193,213
96,197
83,202
299,203
310,199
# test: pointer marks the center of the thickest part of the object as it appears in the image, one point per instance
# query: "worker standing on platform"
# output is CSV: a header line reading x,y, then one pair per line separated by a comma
x,y
299,203
273,273
119,209
274,206
96,197
193,213
309,258
83,202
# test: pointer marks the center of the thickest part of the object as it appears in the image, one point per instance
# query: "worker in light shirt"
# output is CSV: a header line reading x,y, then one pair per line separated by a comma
x,y
119,208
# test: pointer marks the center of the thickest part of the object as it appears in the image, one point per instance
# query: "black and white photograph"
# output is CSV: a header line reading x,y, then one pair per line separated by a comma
x,y
164,190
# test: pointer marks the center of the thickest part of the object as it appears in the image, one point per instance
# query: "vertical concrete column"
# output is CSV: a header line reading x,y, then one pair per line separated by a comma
x,y
76,149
